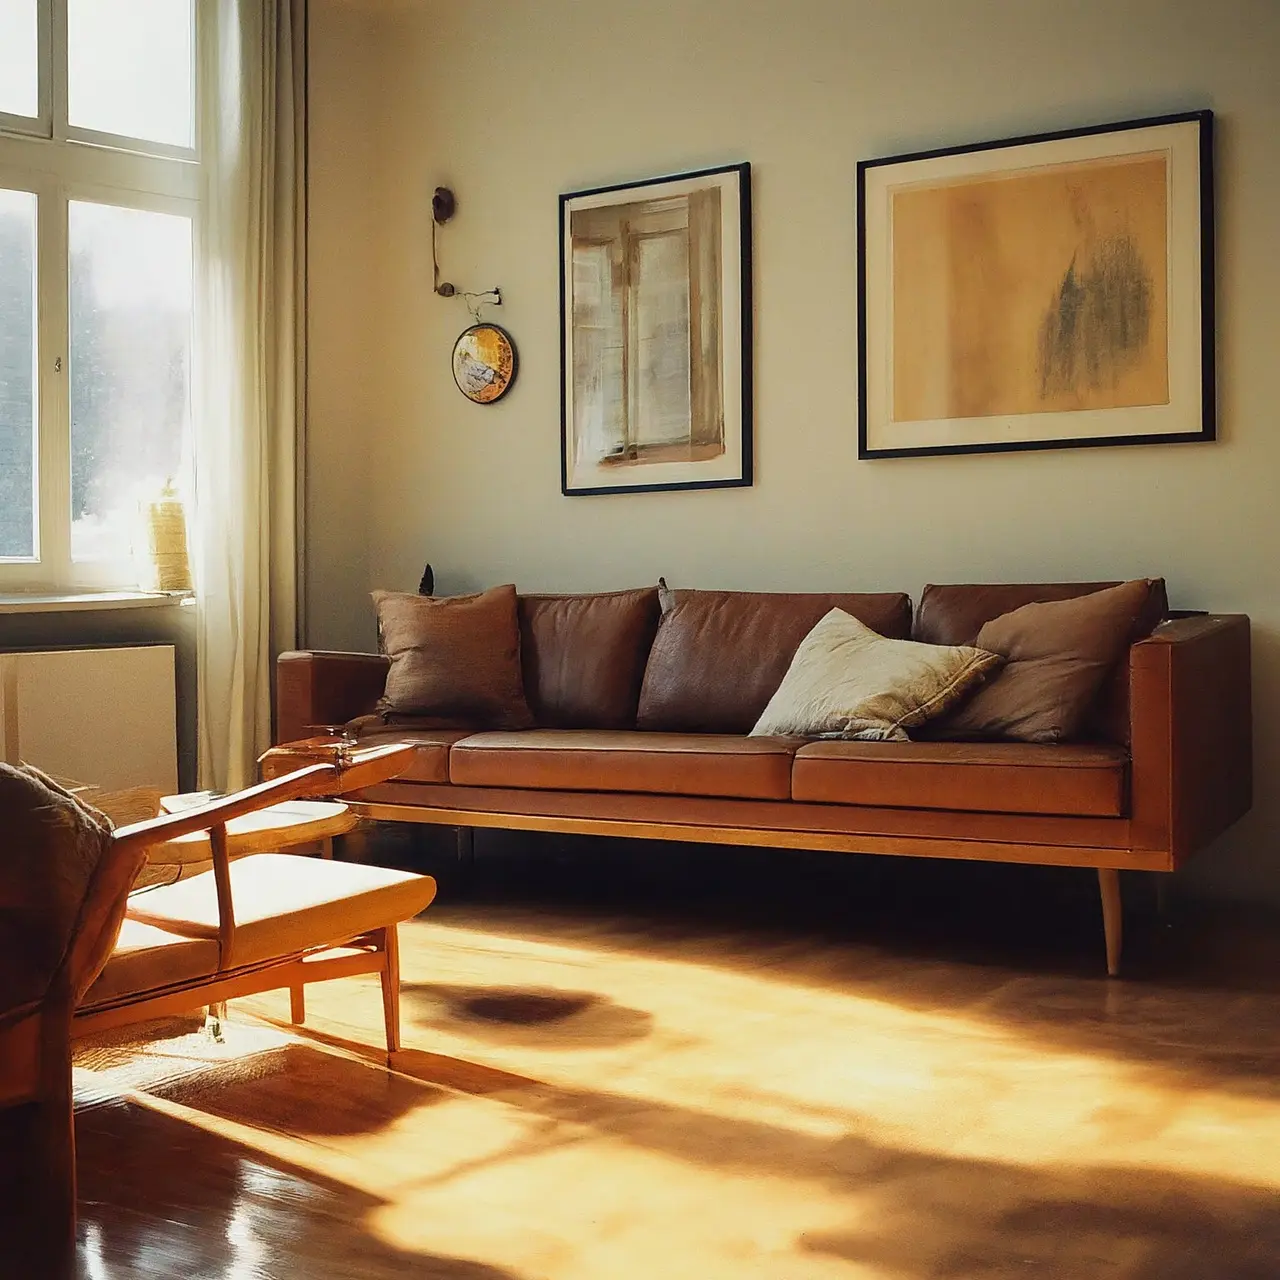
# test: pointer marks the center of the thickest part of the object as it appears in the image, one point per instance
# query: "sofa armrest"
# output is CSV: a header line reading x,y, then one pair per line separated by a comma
x,y
315,687
1192,733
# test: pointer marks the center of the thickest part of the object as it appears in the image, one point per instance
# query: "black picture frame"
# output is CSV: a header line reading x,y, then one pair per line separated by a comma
x,y
630,466
889,396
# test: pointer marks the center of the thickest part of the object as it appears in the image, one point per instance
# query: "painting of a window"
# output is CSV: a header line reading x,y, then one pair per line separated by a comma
x,y
656,379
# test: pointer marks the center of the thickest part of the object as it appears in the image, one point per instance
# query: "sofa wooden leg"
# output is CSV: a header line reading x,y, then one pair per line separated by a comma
x,y
1112,916
391,988
465,838
297,1005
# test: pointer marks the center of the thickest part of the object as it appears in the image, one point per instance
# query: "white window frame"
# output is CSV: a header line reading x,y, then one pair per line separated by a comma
x,y
60,163
40,124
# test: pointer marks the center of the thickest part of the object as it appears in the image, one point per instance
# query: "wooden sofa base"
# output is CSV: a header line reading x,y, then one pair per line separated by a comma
x,y
377,952
1108,862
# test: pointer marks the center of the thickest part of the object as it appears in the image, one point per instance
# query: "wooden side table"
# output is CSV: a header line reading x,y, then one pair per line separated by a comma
x,y
283,826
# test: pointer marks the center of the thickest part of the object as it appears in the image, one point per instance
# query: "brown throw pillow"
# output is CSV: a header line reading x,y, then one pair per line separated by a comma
x,y
455,659
1058,655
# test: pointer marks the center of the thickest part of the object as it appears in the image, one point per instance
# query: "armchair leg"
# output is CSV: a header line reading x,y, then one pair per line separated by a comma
x,y
214,1016
1112,916
297,1005
38,1172
391,988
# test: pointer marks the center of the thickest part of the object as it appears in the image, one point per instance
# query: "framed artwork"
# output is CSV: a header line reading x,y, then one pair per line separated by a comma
x,y
655,334
484,363
1038,293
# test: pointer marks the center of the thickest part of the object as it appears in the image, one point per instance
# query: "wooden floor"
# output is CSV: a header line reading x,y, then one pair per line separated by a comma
x,y
696,1068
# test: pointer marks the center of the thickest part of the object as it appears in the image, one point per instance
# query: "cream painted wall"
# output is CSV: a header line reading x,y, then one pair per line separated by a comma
x,y
511,103
344,338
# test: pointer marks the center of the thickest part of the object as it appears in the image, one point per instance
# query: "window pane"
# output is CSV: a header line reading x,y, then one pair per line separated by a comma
x,y
17,373
19,58
130,367
129,68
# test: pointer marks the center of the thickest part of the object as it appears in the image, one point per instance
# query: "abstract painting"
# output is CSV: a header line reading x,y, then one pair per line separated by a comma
x,y
1038,292
655,334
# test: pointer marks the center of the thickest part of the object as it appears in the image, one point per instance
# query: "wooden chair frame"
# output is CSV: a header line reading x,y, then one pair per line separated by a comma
x,y
376,951
35,1083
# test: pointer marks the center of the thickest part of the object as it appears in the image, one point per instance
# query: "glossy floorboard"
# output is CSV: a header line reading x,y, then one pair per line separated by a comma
x,y
610,1086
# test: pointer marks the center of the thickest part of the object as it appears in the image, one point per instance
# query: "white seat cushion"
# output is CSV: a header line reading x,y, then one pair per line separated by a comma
x,y
285,903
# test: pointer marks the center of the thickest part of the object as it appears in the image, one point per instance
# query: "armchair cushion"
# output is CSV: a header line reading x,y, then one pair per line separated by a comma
x,y
286,903
145,958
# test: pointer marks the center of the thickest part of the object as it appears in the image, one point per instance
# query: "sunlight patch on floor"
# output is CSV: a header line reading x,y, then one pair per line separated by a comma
x,y
577,1111
814,1060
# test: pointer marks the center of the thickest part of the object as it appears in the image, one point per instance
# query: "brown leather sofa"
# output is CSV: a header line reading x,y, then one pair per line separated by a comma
x,y
642,718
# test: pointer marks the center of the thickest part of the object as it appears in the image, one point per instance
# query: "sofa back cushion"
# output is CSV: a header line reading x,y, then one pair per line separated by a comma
x,y
955,613
584,656
719,656
455,660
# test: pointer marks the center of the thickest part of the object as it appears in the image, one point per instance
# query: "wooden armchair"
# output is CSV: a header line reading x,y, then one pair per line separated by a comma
x,y
258,923
261,922
63,888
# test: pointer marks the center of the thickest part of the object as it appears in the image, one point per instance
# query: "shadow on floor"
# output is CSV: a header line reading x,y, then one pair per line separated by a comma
x,y
301,1091
161,1199
927,1216
536,1018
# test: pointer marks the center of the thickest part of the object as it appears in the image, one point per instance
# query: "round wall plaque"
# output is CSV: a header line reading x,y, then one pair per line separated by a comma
x,y
484,363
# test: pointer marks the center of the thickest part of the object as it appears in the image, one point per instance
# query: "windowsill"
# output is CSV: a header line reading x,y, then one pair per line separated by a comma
x,y
84,601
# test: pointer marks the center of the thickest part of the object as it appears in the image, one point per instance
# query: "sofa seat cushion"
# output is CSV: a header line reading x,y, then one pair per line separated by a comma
x,y
146,958
430,760
974,777
286,903
677,764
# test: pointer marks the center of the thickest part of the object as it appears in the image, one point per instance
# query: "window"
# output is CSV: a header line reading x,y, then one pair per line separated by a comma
x,y
99,182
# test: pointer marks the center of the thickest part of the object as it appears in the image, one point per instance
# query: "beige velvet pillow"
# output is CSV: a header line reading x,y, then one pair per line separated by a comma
x,y
455,659
1058,655
847,681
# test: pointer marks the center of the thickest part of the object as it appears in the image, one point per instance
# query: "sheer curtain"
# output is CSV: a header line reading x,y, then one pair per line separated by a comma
x,y
249,398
